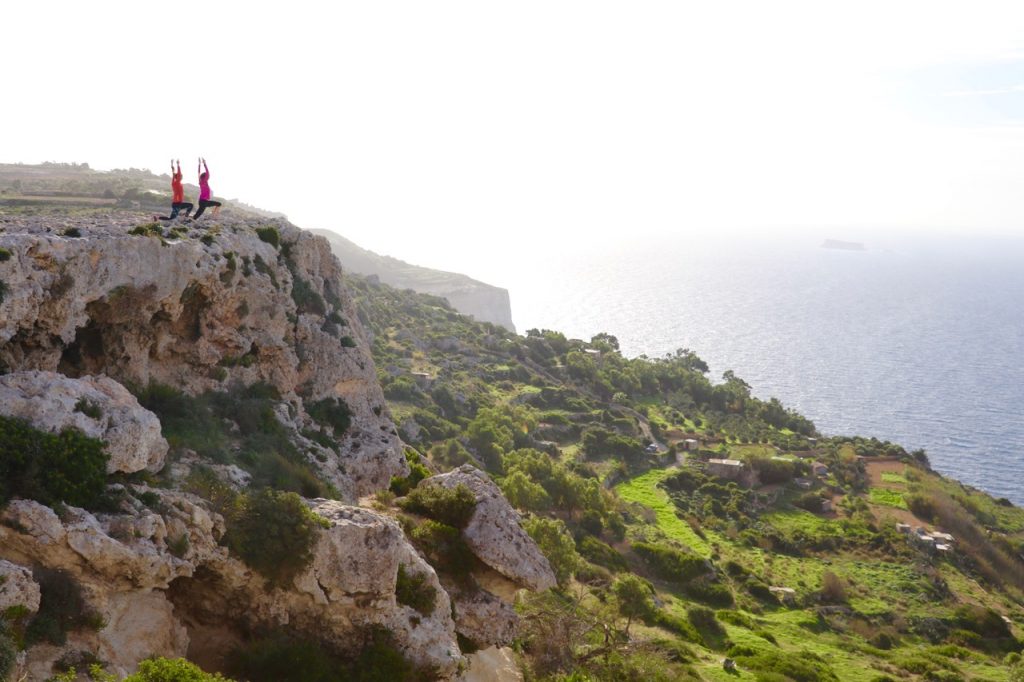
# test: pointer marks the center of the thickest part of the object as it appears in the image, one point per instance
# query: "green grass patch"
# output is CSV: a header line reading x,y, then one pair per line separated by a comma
x,y
887,498
893,477
644,490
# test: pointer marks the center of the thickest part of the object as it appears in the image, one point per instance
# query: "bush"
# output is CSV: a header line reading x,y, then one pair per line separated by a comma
x,y
595,551
417,472
269,235
451,506
274,532
833,590
61,609
413,590
167,670
556,544
88,408
333,412
283,658
8,656
703,618
5,255
669,563
444,547
49,468
306,298
775,664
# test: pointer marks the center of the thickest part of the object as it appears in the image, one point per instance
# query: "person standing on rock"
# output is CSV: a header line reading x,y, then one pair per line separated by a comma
x,y
178,202
204,190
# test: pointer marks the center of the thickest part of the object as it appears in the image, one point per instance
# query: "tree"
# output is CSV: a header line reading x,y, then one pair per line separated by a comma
x,y
556,544
523,493
633,596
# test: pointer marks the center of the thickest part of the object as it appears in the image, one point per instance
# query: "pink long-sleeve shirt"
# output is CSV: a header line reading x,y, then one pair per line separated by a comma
x,y
204,187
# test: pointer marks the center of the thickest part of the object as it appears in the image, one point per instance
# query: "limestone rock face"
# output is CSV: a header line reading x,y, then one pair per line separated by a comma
x,y
495,533
483,618
199,312
49,402
17,588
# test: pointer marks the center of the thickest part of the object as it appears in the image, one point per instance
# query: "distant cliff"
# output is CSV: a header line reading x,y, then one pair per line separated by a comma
x,y
484,302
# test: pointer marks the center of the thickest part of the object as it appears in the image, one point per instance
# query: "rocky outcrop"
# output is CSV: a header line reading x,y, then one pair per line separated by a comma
x,y
17,588
154,575
99,407
199,312
495,532
479,300
482,617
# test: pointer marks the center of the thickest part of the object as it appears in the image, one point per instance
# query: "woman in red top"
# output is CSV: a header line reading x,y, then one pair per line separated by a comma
x,y
178,202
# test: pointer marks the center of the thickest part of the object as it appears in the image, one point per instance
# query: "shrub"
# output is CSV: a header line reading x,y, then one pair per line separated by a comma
x,y
709,592
5,255
451,506
444,547
88,408
306,298
61,609
775,664
269,235
274,532
166,670
8,656
348,342
283,658
601,554
333,412
68,467
705,621
417,472
413,590
669,563
72,232
833,590
556,544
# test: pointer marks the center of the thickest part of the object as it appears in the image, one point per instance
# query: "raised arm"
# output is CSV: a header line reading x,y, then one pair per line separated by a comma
x,y
172,166
207,169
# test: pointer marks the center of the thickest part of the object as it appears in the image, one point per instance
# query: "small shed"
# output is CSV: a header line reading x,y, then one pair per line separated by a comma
x,y
827,506
803,483
690,444
903,528
786,595
819,469
725,468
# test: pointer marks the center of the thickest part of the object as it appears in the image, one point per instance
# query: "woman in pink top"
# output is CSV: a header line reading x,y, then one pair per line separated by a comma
x,y
204,191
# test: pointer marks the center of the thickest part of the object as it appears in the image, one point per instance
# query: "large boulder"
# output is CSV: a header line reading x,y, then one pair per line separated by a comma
x,y
97,406
495,532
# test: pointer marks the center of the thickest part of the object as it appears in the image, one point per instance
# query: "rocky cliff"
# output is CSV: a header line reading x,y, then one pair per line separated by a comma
x,y
484,302
243,325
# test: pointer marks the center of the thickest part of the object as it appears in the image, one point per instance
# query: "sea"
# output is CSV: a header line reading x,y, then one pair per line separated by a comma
x,y
918,338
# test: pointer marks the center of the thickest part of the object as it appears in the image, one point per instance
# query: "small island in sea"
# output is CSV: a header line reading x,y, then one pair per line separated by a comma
x,y
843,246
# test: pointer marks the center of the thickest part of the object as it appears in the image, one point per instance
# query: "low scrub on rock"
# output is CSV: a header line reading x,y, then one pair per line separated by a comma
x,y
274,533
261,444
451,506
284,657
413,590
68,467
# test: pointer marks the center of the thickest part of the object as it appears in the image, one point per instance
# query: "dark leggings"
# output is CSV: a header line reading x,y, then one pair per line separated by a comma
x,y
175,207
203,205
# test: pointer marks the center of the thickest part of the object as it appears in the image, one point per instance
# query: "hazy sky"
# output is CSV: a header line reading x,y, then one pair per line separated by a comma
x,y
430,130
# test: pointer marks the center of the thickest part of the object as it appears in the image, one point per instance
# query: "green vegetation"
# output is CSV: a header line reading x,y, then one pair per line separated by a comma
x,y
88,408
68,467
886,497
413,590
274,532
645,542
260,443
5,255
333,412
270,235
72,232
151,670
451,506
62,609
